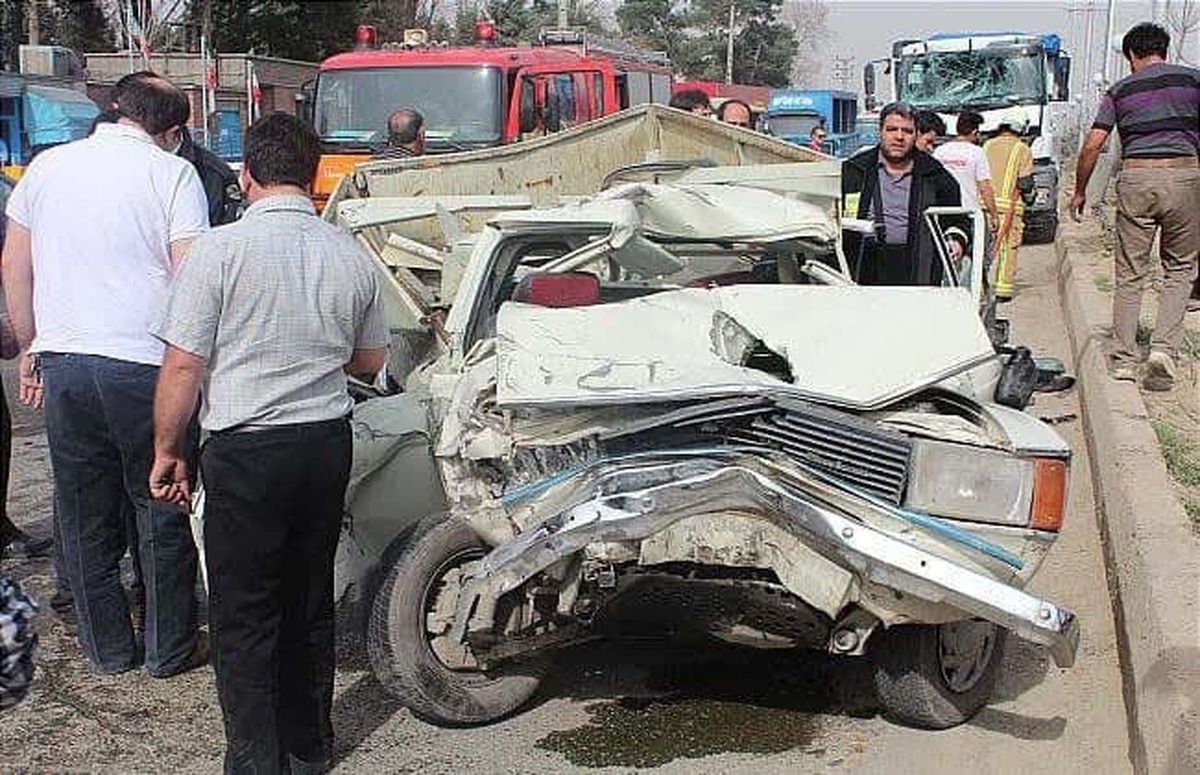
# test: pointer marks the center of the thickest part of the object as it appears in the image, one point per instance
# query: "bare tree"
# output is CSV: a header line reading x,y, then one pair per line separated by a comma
x,y
810,20
1182,18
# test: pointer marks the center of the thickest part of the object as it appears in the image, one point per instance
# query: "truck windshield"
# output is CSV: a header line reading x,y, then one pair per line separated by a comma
x,y
793,126
954,80
461,105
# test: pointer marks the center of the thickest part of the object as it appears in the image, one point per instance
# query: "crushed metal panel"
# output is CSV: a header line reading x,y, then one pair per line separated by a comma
x,y
577,160
724,213
848,346
737,540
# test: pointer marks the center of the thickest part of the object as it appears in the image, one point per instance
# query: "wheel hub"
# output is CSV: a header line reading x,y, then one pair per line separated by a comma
x,y
441,606
964,651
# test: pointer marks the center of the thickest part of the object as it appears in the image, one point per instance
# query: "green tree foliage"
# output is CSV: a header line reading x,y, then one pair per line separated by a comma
x,y
763,46
696,36
520,21
654,24
77,24
308,31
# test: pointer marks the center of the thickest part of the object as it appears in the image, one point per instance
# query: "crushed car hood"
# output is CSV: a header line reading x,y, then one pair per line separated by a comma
x,y
861,348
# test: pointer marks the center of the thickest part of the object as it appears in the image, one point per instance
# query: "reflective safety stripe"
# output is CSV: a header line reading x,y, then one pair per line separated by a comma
x,y
1004,202
850,208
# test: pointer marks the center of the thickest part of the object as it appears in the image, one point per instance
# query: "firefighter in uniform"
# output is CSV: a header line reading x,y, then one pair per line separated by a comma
x,y
1011,163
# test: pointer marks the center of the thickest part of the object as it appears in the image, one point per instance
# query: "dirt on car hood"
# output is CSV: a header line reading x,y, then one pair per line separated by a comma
x,y
855,347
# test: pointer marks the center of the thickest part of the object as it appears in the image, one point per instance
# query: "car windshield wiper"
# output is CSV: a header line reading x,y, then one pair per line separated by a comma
x,y
350,146
448,144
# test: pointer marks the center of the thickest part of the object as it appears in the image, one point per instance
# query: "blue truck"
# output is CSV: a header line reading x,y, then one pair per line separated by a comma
x,y
793,113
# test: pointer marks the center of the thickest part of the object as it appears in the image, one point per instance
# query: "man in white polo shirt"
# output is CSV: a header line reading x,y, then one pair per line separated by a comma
x,y
95,229
966,161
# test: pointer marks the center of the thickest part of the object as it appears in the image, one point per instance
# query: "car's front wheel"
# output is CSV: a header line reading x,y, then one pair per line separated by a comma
x,y
408,639
937,676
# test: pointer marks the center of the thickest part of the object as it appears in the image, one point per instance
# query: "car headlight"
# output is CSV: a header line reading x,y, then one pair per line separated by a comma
x,y
986,485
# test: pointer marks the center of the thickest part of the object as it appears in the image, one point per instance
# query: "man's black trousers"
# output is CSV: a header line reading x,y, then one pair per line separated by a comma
x,y
273,510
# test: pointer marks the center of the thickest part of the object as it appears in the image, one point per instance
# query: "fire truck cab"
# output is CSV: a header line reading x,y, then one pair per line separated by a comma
x,y
474,96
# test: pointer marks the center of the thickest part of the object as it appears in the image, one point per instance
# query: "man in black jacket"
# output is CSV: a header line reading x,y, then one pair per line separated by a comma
x,y
891,185
221,188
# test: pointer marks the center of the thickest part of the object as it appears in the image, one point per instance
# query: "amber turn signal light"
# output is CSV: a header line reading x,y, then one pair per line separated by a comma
x,y
1049,494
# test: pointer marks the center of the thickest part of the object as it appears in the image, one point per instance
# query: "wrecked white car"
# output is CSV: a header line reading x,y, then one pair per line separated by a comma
x,y
668,397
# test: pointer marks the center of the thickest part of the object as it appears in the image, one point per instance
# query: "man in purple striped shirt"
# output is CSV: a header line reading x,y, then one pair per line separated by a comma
x,y
1156,110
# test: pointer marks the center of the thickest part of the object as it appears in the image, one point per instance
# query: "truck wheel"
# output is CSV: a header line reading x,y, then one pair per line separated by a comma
x,y
937,676
408,640
1042,231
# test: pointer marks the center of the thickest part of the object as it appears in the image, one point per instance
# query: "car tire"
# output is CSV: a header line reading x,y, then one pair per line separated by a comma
x,y
401,648
1042,231
937,676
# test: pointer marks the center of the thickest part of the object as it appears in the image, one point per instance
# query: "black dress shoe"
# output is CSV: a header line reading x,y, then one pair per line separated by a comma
x,y
25,545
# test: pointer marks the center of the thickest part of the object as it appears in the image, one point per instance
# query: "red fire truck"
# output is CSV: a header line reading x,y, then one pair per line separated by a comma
x,y
474,96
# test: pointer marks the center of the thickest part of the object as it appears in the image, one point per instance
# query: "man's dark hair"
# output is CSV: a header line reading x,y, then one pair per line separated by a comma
x,y
902,109
404,126
818,128
1145,39
687,99
928,121
282,150
727,103
153,102
124,83
967,123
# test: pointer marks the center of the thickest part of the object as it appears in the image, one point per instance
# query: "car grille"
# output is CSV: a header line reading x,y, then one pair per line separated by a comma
x,y
857,452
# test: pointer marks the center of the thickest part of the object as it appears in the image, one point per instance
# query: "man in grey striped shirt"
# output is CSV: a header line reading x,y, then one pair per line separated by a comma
x,y
270,314
1156,110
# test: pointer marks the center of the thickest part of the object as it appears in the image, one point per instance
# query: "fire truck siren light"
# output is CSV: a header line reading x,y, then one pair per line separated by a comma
x,y
485,32
365,36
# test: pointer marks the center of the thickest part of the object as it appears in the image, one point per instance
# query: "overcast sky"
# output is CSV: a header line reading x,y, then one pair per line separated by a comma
x,y
865,29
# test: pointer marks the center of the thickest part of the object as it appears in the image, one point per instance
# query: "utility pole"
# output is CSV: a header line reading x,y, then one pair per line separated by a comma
x,y
1088,86
1108,41
129,33
35,30
209,96
842,70
729,48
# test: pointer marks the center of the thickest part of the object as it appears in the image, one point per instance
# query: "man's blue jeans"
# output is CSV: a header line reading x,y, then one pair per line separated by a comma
x,y
100,425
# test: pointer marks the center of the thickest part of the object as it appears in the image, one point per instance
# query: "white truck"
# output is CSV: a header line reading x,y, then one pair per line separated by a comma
x,y
993,74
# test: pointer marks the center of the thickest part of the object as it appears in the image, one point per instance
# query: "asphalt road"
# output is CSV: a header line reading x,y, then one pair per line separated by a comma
x,y
627,707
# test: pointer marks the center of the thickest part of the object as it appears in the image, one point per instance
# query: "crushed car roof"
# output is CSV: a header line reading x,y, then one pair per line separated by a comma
x,y
694,213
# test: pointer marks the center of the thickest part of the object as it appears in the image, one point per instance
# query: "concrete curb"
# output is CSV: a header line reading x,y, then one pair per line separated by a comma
x,y
1151,554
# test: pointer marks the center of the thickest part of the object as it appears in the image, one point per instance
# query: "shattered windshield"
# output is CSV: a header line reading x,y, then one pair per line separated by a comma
x,y
461,105
959,79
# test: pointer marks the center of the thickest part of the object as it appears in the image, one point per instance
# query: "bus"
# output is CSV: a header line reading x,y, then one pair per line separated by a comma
x,y
472,96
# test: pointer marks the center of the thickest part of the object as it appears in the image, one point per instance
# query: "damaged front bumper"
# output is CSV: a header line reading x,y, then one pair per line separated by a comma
x,y
632,499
